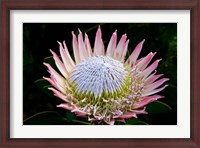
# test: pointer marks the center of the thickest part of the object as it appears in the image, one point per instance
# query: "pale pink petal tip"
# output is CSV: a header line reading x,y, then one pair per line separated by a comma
x,y
143,41
46,64
118,54
79,31
115,33
58,42
128,115
156,84
151,68
73,35
66,106
82,48
147,100
134,55
48,79
112,45
52,52
79,112
141,111
148,93
98,44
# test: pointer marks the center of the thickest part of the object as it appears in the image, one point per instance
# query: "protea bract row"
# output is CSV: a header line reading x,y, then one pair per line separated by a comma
x,y
103,85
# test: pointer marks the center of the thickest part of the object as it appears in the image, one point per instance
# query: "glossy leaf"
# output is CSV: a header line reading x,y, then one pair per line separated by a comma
x,y
70,116
135,121
52,118
158,107
45,118
44,85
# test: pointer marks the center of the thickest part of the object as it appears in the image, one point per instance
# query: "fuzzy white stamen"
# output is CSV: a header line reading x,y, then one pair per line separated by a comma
x,y
97,75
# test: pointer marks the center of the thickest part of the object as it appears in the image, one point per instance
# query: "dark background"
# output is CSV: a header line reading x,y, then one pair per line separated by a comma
x,y
38,38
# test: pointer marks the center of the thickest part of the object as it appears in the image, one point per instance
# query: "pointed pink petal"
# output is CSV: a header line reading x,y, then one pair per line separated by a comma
x,y
112,45
57,76
66,58
59,94
66,106
71,61
59,64
50,81
98,45
154,85
88,46
132,114
140,111
79,112
120,47
145,61
152,78
154,91
55,84
147,100
127,115
150,69
81,45
125,50
75,49
61,88
133,57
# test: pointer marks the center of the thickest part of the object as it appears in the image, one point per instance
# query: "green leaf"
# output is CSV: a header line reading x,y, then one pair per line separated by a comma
x,y
70,116
135,121
45,118
43,85
52,118
158,107
41,82
80,122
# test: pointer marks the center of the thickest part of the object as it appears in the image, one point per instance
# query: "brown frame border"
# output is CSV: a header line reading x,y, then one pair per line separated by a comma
x,y
7,5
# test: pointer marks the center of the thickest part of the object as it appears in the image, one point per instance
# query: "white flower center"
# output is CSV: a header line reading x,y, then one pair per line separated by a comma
x,y
98,75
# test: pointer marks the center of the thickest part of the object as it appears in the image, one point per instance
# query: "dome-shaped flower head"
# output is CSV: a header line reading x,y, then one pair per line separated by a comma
x,y
101,84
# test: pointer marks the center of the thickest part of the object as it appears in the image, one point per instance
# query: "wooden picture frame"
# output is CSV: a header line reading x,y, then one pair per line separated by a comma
x,y
7,6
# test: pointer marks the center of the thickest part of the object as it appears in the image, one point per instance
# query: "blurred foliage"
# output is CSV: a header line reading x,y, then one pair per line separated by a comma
x,y
38,38
135,121
51,118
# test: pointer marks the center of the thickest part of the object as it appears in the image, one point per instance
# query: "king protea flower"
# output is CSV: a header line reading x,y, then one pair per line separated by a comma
x,y
102,85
